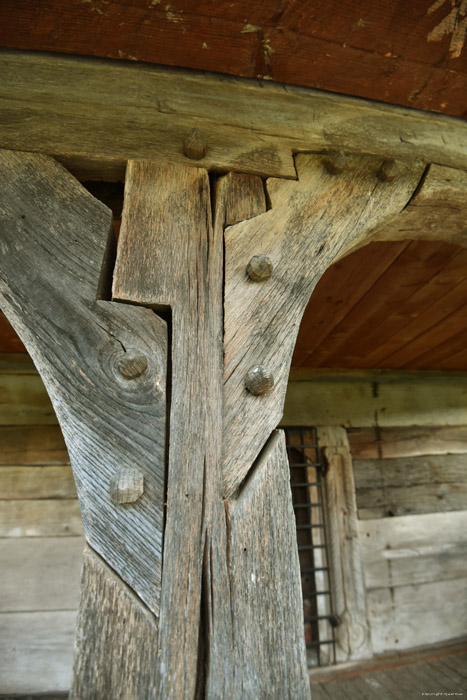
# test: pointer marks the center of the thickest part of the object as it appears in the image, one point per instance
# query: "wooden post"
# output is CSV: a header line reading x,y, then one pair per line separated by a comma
x,y
210,586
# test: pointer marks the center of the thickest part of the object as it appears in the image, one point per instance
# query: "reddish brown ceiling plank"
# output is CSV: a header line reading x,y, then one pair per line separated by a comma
x,y
456,361
386,335
373,50
445,341
114,30
346,345
340,288
9,341
416,338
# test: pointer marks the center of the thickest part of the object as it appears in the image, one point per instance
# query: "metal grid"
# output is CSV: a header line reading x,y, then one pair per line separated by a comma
x,y
306,478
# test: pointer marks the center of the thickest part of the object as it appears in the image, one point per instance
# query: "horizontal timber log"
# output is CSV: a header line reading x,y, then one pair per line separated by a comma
x,y
68,107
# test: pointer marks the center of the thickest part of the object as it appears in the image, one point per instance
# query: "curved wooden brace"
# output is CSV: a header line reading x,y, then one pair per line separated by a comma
x,y
54,237
312,222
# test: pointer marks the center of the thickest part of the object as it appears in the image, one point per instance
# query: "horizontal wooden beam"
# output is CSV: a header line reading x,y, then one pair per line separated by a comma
x,y
95,114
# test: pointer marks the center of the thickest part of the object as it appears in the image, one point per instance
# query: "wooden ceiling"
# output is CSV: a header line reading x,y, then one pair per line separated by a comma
x,y
409,53
388,305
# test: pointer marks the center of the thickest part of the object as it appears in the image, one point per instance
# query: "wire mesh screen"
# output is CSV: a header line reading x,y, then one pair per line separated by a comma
x,y
306,477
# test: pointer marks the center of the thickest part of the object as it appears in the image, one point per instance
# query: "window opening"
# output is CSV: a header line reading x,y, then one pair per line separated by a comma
x,y
307,472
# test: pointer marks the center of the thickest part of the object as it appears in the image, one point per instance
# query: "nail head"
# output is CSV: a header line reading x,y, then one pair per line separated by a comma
x,y
126,486
195,146
259,380
259,268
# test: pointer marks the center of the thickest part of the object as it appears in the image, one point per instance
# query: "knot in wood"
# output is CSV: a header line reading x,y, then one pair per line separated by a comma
x,y
132,366
259,268
335,162
259,380
126,486
195,146
388,171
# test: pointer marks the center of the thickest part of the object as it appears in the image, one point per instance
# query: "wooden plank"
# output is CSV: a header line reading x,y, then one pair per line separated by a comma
x,y
16,362
348,587
333,47
36,483
36,651
40,573
32,445
365,404
168,256
248,126
424,498
266,585
291,234
9,341
43,518
339,289
116,658
392,443
24,401
398,617
80,344
405,472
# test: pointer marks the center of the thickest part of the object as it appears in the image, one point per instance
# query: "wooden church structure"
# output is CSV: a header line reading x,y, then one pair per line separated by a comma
x,y
266,222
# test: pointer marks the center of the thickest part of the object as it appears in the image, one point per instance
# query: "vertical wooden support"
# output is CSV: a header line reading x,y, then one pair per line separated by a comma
x,y
349,593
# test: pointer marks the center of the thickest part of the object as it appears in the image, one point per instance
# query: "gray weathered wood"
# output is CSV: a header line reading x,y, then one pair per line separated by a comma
x,y
55,244
348,587
36,651
32,445
414,549
410,616
305,231
40,573
393,443
36,482
404,472
407,401
40,518
117,656
168,257
265,583
68,106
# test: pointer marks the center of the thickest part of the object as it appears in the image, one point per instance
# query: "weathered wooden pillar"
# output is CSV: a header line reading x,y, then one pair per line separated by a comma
x,y
191,586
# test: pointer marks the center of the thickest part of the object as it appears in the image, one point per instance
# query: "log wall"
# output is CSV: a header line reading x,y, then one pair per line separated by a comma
x,y
41,538
407,435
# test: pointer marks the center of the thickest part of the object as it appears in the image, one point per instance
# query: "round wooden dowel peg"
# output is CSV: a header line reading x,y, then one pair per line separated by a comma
x,y
335,162
388,171
132,366
126,486
259,380
195,145
259,268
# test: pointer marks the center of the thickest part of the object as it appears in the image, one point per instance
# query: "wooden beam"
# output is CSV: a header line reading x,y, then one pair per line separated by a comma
x,y
68,107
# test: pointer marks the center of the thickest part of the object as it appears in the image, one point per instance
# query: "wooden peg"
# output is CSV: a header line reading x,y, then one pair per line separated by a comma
x,y
195,145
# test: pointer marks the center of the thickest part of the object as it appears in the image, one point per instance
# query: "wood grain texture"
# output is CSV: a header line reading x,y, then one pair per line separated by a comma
x,y
414,549
411,55
36,482
40,518
53,227
32,445
410,471
24,401
362,400
408,500
349,595
36,651
393,443
40,573
248,126
398,617
265,583
169,257
116,658
302,235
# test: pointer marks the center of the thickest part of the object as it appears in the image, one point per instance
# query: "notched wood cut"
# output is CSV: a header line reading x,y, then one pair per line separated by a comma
x,y
53,241
265,590
312,222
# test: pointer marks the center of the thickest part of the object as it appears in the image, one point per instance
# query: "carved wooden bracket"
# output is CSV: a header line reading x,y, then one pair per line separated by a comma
x,y
226,602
